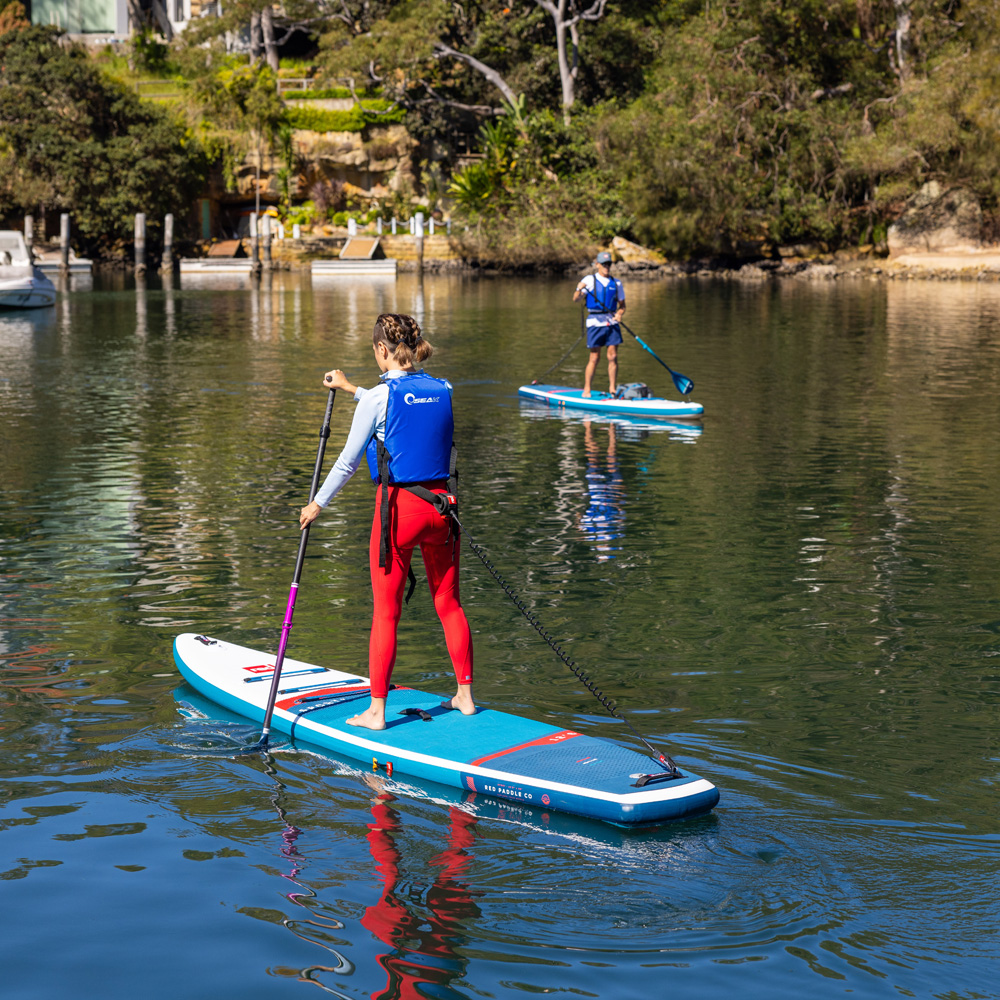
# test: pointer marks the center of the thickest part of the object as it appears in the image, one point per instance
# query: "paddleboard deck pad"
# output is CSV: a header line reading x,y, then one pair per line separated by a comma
x,y
604,402
492,753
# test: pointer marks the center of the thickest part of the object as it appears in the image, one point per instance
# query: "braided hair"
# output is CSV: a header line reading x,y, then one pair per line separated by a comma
x,y
401,334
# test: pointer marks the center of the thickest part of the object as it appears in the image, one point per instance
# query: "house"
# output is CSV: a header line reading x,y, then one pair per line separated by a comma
x,y
116,19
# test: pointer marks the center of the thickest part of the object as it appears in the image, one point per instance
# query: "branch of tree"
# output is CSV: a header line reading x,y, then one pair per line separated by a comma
x,y
838,91
442,51
478,109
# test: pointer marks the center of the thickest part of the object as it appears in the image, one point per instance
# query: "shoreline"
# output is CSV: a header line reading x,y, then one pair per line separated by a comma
x,y
637,263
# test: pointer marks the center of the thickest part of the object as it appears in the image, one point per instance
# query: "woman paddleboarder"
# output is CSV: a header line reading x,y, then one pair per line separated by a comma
x,y
405,425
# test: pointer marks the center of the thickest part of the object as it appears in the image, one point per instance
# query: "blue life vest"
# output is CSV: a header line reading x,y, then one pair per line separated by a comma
x,y
418,431
603,298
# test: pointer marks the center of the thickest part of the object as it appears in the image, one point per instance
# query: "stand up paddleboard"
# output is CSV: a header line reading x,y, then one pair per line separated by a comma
x,y
491,752
604,402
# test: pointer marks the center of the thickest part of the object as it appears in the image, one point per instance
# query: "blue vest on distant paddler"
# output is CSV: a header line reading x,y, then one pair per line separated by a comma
x,y
418,431
602,298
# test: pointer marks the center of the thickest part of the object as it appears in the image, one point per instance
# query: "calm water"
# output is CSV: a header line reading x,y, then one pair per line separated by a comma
x,y
798,598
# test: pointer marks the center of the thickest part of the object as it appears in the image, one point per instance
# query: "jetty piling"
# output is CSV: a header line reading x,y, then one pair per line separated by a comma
x,y
140,242
29,235
64,242
266,241
254,245
418,233
167,260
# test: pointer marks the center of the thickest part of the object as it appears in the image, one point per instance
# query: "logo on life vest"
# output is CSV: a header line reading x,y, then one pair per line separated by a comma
x,y
410,399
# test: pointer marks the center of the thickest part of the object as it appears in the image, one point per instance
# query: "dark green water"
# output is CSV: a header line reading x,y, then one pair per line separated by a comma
x,y
801,602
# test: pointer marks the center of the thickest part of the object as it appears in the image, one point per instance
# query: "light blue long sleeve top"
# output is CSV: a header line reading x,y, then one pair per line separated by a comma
x,y
369,419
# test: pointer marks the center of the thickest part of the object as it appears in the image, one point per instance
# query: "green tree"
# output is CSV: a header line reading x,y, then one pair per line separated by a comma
x,y
239,110
71,140
765,121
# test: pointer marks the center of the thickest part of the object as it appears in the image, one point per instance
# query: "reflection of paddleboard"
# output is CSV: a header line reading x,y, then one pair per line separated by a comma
x,y
491,752
630,428
604,402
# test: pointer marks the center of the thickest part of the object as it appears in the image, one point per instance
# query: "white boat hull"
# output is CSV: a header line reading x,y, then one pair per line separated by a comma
x,y
22,284
34,292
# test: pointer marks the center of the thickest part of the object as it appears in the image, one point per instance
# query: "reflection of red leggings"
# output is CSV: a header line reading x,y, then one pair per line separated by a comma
x,y
414,522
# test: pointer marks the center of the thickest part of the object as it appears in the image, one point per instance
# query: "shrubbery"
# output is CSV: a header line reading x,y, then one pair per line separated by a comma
x,y
354,120
72,140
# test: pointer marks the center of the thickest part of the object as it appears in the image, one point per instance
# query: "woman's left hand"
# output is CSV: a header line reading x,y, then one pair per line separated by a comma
x,y
308,514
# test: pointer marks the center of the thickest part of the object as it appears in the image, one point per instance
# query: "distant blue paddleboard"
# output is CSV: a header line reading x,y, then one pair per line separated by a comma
x,y
491,752
604,402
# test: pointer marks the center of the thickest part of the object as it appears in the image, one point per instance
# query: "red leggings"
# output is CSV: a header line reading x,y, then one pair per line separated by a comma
x,y
414,522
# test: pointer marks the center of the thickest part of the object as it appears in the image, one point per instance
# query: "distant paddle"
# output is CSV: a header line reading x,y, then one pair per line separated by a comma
x,y
683,383
324,433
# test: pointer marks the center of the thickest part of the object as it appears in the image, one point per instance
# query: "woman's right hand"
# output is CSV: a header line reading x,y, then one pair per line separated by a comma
x,y
336,379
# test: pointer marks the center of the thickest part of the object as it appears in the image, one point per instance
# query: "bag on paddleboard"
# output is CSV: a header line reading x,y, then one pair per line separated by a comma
x,y
633,390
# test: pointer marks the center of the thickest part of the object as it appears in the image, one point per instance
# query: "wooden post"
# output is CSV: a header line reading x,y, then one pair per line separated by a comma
x,y
64,241
449,227
167,261
352,227
140,242
254,244
430,225
265,225
29,235
418,232
378,225
394,225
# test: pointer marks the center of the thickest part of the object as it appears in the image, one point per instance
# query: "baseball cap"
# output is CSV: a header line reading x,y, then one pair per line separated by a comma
x,y
603,258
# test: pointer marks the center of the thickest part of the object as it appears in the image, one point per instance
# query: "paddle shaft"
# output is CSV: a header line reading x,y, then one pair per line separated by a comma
x,y
682,382
324,434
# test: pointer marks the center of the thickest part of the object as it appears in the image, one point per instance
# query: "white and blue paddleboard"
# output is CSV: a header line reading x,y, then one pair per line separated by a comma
x,y
605,402
493,753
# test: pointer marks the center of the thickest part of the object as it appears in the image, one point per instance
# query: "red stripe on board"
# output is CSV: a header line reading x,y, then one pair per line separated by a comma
x,y
565,734
289,702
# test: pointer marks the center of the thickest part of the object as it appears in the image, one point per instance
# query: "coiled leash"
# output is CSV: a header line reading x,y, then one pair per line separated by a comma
x,y
447,505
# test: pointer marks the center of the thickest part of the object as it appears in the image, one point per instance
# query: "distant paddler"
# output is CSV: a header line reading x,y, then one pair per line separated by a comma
x,y
605,301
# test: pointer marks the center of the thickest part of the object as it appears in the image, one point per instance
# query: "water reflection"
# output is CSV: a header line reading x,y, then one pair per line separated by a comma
x,y
627,428
603,522
424,926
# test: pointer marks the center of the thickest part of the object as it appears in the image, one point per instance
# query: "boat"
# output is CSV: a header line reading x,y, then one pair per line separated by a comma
x,y
491,753
605,402
22,284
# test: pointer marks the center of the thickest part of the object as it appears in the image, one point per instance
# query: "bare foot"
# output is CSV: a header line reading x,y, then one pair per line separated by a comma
x,y
586,394
462,702
369,719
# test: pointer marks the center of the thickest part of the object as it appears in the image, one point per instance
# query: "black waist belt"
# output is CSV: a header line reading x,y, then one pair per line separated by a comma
x,y
446,505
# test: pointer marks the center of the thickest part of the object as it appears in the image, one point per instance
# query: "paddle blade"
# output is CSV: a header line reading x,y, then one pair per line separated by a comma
x,y
683,383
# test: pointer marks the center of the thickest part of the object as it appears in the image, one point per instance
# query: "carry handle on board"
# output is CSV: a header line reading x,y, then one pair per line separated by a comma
x,y
683,383
286,627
